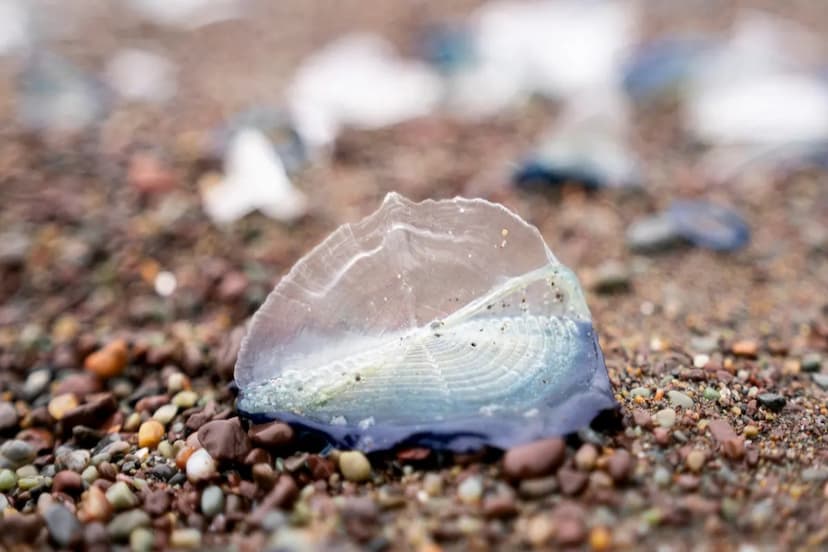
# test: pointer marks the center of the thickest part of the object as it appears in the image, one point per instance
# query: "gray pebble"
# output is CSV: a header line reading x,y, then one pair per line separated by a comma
x,y
17,453
75,460
677,398
821,380
64,527
36,383
652,234
212,501
773,401
8,416
124,523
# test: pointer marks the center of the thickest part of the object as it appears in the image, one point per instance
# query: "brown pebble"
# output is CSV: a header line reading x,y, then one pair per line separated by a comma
x,y
586,456
572,482
109,361
745,348
642,418
500,506
662,436
283,495
225,440
157,502
68,482
264,475
272,435
151,403
94,413
107,471
94,506
320,468
569,526
257,456
182,457
620,465
80,384
61,404
732,445
534,459
17,530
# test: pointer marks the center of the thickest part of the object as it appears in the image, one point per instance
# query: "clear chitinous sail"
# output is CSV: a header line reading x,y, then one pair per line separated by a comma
x,y
447,324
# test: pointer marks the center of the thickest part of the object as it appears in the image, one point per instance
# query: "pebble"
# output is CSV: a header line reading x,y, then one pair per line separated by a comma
x,y
17,453
812,362
354,466
643,392
534,459
157,502
109,361
165,414
121,497
200,466
677,398
732,445
572,482
433,484
620,465
585,457
36,383
90,474
611,277
150,433
141,539
187,539
225,440
60,405
538,488
274,434
185,399
600,539
125,523
212,501
821,380
665,418
76,460
8,416
8,480
63,526
67,481
695,460
470,490
772,401
93,413
711,394
745,348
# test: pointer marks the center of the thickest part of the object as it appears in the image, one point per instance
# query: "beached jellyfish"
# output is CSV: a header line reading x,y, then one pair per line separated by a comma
x,y
442,323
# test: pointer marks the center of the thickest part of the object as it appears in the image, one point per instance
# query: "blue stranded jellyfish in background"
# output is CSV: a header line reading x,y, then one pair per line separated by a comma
x,y
443,323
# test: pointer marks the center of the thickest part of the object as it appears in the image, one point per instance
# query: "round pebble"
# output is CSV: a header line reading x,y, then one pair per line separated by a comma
x,y
470,490
121,497
212,501
60,405
677,398
695,460
354,466
8,480
200,466
150,433
141,539
108,362
165,414
665,418
188,539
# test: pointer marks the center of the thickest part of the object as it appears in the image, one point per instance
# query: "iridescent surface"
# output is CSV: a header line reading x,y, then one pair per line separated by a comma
x,y
448,323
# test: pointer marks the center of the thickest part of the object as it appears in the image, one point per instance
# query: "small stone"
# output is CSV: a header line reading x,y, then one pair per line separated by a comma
x,y
185,399
600,539
141,539
585,457
200,466
665,418
157,502
8,416
125,523
63,526
695,460
81,385
732,445
611,277
821,380
538,488
8,480
811,362
620,465
642,418
711,394
470,490
187,539
165,414
225,440
499,506
93,413
642,392
36,383
745,348
354,466
121,497
433,484
771,401
60,405
150,433
67,481
95,506
677,398
212,501
17,453
274,434
750,431
76,460
540,530
534,459
572,482
109,361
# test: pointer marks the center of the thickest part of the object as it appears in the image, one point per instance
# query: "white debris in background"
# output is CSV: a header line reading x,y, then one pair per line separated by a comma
x,y
188,14
359,81
165,283
140,75
773,109
15,26
557,48
254,179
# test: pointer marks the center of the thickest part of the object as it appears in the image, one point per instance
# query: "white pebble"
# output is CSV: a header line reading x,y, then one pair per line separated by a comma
x,y
200,466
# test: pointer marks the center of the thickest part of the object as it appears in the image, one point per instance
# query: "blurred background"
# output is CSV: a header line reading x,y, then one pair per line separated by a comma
x,y
163,163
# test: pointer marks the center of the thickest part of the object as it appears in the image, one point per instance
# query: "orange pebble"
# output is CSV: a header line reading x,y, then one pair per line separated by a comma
x,y
600,538
182,457
150,434
60,405
108,362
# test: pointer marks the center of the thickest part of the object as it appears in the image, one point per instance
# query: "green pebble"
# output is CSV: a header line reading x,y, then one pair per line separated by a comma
x,y
652,516
711,394
29,483
641,392
122,525
121,497
90,474
141,540
185,399
165,449
165,414
8,480
212,501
